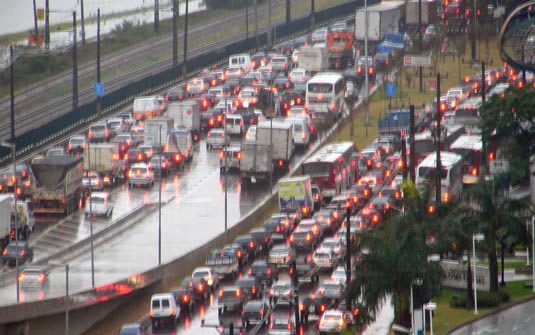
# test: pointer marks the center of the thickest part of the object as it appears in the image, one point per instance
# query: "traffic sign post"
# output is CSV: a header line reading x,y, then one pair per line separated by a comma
x,y
98,89
419,61
390,89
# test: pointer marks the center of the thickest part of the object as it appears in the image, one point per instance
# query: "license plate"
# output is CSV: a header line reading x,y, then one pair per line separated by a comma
x,y
311,308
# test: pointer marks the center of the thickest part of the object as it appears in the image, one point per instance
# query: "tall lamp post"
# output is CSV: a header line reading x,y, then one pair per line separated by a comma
x,y
160,199
67,305
14,156
475,237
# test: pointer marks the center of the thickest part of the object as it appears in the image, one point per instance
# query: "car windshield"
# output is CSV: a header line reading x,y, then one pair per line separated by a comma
x,y
201,274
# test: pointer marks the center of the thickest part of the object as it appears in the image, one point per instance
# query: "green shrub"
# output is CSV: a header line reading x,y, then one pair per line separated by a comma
x,y
488,299
504,296
459,301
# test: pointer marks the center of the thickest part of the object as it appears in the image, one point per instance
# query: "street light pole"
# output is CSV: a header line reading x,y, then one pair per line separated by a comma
x,y
160,200
475,237
430,306
533,256
348,253
366,107
225,151
67,299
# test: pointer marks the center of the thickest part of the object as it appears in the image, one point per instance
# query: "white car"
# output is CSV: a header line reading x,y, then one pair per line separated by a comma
x,y
211,277
250,136
332,321
230,157
339,275
99,204
92,180
141,174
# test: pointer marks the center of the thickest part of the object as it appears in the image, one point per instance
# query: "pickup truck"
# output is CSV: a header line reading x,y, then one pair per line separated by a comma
x,y
224,263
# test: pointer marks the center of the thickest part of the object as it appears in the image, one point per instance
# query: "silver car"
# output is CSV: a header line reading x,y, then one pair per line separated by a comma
x,y
141,174
216,138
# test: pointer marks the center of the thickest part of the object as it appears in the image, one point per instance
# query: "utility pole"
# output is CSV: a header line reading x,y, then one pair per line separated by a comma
x,y
35,27
288,11
348,252
157,16
412,146
420,41
175,31
98,59
312,14
185,61
256,23
269,35
47,26
438,195
246,3
366,107
483,169
74,63
82,21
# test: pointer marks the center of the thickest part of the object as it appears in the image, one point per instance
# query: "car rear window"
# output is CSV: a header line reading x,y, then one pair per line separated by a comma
x,y
155,303
165,303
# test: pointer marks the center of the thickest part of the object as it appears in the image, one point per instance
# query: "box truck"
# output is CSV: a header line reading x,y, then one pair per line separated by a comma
x,y
296,192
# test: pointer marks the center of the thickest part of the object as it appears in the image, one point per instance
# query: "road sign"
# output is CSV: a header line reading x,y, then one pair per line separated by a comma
x,y
390,89
98,89
417,61
40,14
392,77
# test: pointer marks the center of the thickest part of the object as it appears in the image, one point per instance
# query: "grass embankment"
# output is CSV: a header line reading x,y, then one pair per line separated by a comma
x,y
29,70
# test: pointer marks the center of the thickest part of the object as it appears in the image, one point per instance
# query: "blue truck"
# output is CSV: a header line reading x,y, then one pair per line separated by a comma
x,y
395,121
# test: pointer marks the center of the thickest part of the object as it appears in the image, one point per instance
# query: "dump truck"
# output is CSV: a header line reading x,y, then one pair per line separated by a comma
x,y
340,46
56,184
104,159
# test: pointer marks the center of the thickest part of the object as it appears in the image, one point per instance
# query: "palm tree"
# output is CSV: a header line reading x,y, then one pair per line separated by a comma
x,y
397,256
496,213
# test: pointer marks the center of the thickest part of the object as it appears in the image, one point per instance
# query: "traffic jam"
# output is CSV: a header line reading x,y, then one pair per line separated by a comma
x,y
287,275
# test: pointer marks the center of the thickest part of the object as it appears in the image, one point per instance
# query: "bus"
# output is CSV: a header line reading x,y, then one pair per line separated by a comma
x,y
328,168
451,175
346,150
469,147
424,142
325,93
467,115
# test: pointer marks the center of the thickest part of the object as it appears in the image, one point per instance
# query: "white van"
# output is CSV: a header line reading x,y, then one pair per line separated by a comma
x,y
240,60
234,125
163,308
301,132
147,107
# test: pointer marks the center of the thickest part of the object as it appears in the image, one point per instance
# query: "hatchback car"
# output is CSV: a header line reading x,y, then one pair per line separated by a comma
x,y
281,327
141,174
216,138
92,180
332,321
17,250
196,86
99,204
263,271
281,292
254,312
33,277
160,163
142,327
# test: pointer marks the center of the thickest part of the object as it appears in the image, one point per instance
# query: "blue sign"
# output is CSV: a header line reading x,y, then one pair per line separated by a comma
x,y
390,89
98,89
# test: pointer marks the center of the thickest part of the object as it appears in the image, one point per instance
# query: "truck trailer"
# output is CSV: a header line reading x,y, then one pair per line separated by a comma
x,y
382,18
256,163
186,115
104,159
279,134
57,184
